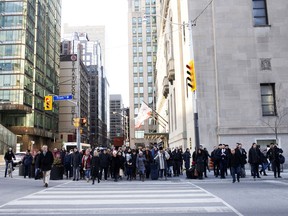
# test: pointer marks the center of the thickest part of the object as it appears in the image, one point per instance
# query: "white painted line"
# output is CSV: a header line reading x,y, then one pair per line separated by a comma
x,y
225,203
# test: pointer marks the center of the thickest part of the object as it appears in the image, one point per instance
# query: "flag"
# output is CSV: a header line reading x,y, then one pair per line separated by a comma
x,y
144,113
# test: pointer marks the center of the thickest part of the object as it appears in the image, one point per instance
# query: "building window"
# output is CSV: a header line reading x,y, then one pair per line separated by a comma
x,y
139,134
260,12
268,99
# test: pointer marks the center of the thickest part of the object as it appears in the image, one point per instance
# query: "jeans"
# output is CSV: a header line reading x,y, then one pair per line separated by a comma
x,y
87,173
235,171
76,173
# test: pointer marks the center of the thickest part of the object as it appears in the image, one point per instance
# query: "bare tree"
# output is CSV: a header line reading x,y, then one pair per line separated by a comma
x,y
280,120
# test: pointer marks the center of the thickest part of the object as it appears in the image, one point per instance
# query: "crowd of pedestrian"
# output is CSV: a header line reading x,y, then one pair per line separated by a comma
x,y
145,163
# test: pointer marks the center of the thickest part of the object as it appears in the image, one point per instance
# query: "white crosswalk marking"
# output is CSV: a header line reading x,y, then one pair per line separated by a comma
x,y
126,198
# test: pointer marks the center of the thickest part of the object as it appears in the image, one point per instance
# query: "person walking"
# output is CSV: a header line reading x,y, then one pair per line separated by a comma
x,y
273,155
235,164
140,164
200,162
27,162
76,164
254,158
95,167
46,160
86,164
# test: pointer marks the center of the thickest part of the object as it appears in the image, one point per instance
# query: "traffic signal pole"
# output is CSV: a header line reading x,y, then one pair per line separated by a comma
x,y
194,93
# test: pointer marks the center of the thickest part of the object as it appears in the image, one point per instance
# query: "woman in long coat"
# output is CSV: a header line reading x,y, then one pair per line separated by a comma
x,y
140,164
200,162
95,167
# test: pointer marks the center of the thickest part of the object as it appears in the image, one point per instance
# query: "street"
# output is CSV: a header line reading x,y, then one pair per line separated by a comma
x,y
176,196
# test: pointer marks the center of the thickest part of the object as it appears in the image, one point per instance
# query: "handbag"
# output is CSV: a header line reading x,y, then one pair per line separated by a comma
x,y
281,159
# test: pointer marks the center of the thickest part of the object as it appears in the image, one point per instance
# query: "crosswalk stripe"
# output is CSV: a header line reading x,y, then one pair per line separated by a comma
x,y
125,199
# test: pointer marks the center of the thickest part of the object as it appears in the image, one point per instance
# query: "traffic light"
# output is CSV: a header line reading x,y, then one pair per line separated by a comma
x,y
191,76
76,122
48,102
83,122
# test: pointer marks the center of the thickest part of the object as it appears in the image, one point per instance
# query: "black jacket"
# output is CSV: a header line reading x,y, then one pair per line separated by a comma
x,y
95,166
76,159
46,161
104,160
9,155
235,159
254,156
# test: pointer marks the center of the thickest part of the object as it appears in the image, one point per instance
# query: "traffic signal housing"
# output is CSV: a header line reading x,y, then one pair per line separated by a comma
x,y
191,76
48,102
76,122
83,122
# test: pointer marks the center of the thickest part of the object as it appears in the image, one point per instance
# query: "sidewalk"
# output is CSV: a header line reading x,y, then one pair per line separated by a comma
x,y
269,177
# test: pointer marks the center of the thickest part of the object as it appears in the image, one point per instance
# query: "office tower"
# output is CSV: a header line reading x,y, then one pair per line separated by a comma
x,y
29,64
142,36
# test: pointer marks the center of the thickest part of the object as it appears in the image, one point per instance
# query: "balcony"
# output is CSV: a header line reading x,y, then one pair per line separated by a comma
x,y
171,70
165,85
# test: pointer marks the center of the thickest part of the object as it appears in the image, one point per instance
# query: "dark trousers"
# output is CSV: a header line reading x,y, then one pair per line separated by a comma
x,y
27,171
176,167
148,170
216,168
223,168
105,172
235,171
255,169
276,168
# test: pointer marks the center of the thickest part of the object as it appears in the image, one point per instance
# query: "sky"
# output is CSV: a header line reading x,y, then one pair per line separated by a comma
x,y
113,14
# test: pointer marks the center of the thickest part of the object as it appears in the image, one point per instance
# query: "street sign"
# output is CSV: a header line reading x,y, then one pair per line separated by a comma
x,y
62,97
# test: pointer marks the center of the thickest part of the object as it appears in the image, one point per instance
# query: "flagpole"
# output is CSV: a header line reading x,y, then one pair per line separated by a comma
x,y
156,113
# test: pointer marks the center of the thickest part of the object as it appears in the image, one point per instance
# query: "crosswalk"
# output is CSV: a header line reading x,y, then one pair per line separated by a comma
x,y
121,198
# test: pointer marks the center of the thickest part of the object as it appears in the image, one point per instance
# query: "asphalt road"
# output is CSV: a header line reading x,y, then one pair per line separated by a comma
x,y
176,196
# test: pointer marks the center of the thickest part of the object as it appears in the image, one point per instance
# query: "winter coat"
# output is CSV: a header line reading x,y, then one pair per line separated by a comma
x,y
235,159
115,164
140,163
200,160
95,166
76,159
161,159
186,158
46,161
105,160
273,154
254,156
27,160
177,156
9,155
86,161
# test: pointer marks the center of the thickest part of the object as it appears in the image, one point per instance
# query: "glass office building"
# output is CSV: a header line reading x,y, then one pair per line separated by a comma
x,y
29,68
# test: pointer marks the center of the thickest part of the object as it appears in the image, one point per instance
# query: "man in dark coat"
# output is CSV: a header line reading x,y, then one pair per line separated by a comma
x,y
187,159
105,160
273,155
222,154
76,161
46,160
235,164
177,157
27,162
254,158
